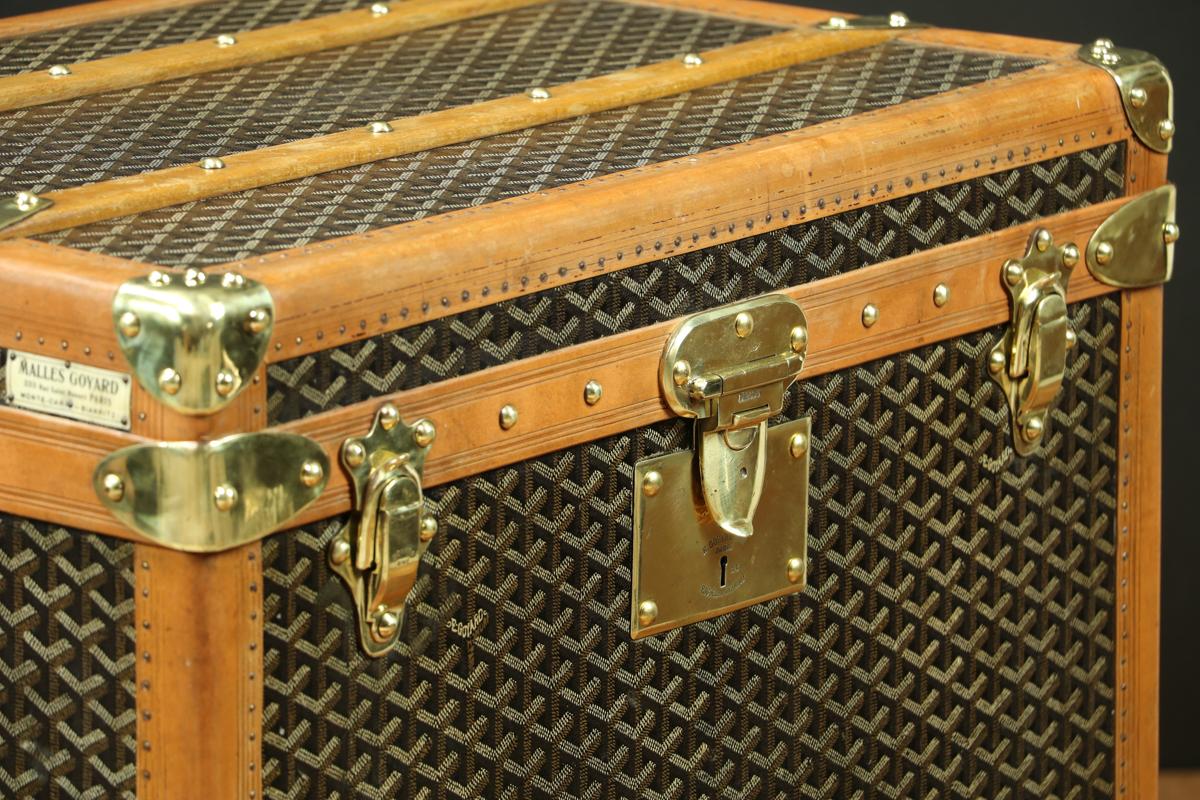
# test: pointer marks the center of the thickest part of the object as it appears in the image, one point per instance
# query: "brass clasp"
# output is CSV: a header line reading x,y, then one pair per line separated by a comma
x,y
379,550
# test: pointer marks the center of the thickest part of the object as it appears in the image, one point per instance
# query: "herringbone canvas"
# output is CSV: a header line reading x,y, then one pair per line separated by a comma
x,y
67,657
955,640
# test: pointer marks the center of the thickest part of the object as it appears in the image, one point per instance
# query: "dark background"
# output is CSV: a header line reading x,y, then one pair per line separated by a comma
x,y
1164,29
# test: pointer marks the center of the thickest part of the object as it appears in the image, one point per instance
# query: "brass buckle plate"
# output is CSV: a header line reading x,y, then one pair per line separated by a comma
x,y
686,568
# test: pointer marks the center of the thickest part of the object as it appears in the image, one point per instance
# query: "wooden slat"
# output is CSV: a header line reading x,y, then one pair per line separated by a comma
x,y
992,43
1139,543
82,15
252,47
420,271
746,10
167,187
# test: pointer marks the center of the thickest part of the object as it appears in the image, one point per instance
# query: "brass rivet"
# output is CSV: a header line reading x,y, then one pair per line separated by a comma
x,y
114,487
898,19
158,278
1013,273
836,22
508,417
225,497
652,483
129,324
1170,232
429,528
795,570
1072,339
257,320
1070,255
226,40
539,93
798,445
870,315
380,126
311,473
799,339
339,551
1033,429
232,280
941,295
59,71
1042,240
1166,129
680,372
1104,253
353,453
424,432
388,417
170,381
1103,44
386,625
26,201
211,163
592,392
996,362
193,278
1138,97
379,9
692,60
743,325
647,612
226,382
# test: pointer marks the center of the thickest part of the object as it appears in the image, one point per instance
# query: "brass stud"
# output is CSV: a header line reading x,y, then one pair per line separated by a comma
x,y
257,320
160,279
388,417
539,93
26,201
429,527
652,483
311,473
996,362
1072,339
114,487
225,497
1070,256
870,315
508,417
233,280
1104,253
226,382
379,9
941,295
1138,97
743,325
692,60
386,625
836,22
592,392
799,339
1166,129
798,445
1042,240
59,71
1033,429
647,612
424,432
898,19
211,163
170,381
1013,273
339,551
795,570
1103,44
193,278
380,126
354,453
1170,232
226,40
680,372
129,324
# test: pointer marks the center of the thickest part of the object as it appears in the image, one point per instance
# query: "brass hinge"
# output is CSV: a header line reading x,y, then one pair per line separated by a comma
x,y
203,497
1135,246
726,526
194,340
1145,88
894,20
378,551
1030,360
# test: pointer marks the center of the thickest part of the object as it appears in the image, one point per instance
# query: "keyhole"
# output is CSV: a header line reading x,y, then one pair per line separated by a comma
x,y
724,566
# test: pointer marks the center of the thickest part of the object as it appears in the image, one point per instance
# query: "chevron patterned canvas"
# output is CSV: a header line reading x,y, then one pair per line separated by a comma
x,y
956,639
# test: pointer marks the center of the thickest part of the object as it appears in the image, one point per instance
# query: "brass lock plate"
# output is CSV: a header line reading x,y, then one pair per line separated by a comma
x,y
687,568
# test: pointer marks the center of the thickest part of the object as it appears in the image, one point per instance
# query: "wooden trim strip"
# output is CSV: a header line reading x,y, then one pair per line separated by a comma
x,y
167,187
416,272
252,47
1139,543
83,15
993,43
548,390
745,10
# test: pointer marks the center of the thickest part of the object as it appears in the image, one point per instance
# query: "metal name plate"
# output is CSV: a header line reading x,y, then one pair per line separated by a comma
x,y
53,386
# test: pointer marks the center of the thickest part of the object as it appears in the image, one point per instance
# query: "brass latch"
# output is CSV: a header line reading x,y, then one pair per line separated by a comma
x,y
1030,360
726,526
377,553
